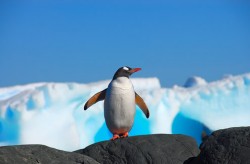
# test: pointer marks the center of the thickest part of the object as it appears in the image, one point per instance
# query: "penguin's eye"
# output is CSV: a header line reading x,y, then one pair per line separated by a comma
x,y
125,68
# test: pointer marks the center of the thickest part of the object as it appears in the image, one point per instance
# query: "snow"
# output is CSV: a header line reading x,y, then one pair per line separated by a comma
x,y
195,81
52,113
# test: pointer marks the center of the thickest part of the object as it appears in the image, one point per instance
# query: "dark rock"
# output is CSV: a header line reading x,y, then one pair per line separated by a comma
x,y
227,146
160,148
40,154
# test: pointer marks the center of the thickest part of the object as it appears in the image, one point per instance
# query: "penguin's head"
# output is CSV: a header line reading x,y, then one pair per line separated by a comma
x,y
125,72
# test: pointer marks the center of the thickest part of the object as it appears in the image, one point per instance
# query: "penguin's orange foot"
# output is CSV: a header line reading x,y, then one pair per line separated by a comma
x,y
115,136
124,135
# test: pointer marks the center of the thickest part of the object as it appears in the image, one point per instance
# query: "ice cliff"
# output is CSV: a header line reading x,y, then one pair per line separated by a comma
x,y
52,113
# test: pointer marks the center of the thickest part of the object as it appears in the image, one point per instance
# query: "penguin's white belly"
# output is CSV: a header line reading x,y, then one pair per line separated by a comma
x,y
119,108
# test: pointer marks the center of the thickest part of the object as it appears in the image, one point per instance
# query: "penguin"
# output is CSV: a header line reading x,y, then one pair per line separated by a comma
x,y
120,100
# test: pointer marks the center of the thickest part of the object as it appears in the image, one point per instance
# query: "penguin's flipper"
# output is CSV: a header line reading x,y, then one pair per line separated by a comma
x,y
94,99
140,102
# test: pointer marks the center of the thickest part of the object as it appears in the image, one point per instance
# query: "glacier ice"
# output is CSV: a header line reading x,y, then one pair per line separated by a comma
x,y
195,81
52,113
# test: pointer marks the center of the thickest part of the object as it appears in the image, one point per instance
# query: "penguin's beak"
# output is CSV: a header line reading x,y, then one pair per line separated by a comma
x,y
134,70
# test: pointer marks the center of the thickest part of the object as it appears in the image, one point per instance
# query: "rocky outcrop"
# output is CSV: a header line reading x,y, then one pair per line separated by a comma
x,y
228,146
34,154
160,148
231,146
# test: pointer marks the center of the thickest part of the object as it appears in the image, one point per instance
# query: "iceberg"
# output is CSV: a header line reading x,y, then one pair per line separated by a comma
x,y
52,113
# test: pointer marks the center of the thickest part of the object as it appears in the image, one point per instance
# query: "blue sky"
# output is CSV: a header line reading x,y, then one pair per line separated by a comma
x,y
88,40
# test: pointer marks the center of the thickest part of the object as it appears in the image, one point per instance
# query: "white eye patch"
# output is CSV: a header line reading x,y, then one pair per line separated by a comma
x,y
125,68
